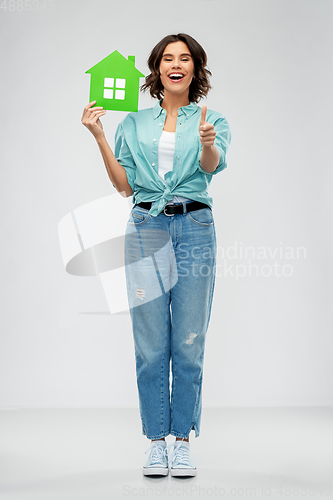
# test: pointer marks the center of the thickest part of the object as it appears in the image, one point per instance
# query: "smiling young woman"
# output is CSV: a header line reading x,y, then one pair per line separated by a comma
x,y
200,84
165,157
176,72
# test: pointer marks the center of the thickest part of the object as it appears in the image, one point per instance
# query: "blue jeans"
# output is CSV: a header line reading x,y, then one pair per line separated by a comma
x,y
170,265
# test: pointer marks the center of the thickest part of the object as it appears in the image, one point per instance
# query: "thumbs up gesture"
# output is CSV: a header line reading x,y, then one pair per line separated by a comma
x,y
206,130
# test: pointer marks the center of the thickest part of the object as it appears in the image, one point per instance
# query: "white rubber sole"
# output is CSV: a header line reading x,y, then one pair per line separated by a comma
x,y
183,472
155,471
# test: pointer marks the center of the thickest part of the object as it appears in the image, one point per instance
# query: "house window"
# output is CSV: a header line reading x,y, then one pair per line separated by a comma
x,y
114,90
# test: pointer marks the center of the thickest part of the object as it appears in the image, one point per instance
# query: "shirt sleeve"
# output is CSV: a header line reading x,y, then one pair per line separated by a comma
x,y
222,143
123,155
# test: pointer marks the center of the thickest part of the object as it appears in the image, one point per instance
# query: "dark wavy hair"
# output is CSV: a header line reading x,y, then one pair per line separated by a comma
x,y
200,84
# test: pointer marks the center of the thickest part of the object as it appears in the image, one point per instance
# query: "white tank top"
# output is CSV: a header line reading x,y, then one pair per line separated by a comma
x,y
166,153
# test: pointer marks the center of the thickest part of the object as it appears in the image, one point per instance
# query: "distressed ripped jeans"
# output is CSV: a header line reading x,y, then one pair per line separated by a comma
x,y
170,265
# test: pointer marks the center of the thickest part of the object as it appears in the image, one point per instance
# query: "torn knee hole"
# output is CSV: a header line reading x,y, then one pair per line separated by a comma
x,y
191,338
140,292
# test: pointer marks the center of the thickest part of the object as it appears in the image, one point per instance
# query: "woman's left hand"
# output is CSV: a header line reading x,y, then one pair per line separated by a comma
x,y
206,130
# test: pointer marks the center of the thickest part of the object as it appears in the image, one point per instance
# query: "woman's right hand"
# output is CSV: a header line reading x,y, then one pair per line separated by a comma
x,y
90,119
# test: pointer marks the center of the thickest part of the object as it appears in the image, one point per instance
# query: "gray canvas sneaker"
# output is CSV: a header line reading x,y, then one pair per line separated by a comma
x,y
180,461
157,462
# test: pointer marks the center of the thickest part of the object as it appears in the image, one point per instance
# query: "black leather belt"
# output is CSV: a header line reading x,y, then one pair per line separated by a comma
x,y
176,209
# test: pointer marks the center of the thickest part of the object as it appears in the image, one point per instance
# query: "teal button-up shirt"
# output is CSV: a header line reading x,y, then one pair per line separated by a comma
x,y
136,149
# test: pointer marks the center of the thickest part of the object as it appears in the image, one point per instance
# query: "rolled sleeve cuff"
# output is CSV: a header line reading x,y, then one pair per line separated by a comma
x,y
222,163
129,172
124,156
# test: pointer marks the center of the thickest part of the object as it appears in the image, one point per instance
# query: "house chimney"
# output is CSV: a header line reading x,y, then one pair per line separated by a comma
x,y
132,59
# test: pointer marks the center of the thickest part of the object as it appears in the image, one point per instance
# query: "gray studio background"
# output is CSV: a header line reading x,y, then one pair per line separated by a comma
x,y
269,341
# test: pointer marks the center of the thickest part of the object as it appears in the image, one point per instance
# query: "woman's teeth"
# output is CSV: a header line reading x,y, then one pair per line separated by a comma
x,y
176,76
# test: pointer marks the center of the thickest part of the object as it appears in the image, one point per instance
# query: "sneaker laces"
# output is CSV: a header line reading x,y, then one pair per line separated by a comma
x,y
158,452
180,453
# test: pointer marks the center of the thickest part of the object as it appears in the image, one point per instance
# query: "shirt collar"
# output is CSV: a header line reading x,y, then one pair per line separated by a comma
x,y
186,110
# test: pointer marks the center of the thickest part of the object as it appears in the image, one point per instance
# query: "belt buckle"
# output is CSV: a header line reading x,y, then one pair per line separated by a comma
x,y
169,215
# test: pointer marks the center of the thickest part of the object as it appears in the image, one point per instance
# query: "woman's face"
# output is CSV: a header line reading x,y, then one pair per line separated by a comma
x,y
176,68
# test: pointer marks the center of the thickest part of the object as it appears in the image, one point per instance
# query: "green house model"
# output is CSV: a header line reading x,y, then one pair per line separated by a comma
x,y
115,83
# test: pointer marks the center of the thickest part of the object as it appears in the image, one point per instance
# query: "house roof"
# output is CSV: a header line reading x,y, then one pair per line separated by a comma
x,y
118,61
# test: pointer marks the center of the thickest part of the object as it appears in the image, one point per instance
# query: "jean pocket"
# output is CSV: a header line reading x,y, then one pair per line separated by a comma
x,y
202,217
138,216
